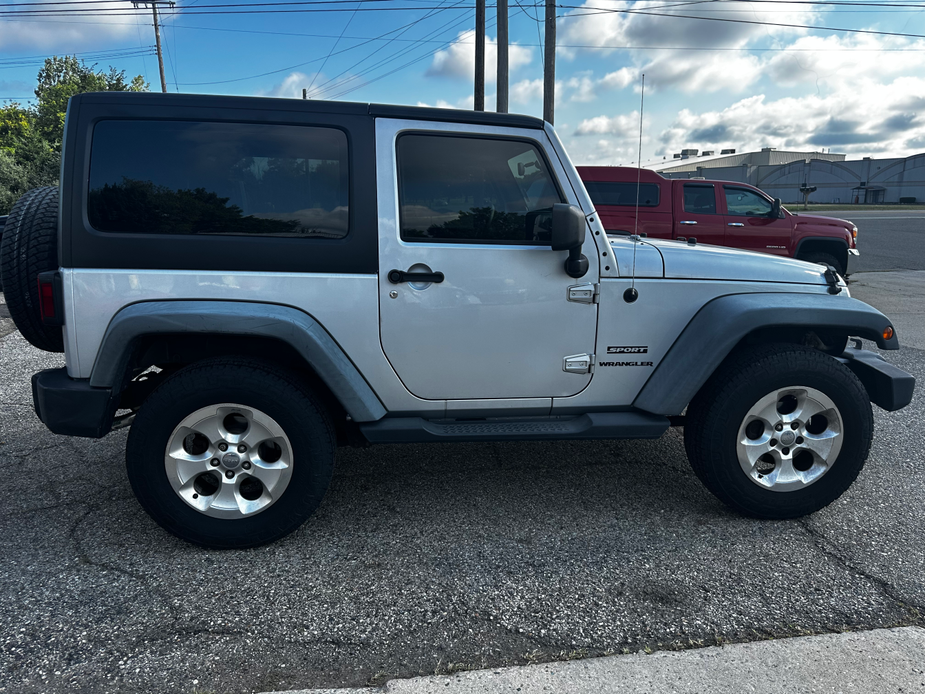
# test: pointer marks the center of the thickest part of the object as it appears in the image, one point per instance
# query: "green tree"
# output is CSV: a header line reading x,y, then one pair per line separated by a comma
x,y
30,138
61,78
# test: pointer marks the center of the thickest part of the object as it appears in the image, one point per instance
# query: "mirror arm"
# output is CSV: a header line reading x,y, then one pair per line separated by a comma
x,y
576,265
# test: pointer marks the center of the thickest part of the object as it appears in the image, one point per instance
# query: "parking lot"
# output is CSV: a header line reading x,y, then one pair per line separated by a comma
x,y
435,558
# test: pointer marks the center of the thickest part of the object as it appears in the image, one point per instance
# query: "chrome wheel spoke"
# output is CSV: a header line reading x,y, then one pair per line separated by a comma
x,y
821,444
209,427
808,406
188,469
755,449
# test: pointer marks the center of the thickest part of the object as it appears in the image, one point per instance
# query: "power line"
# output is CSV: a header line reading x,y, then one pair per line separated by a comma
x,y
393,56
292,67
600,10
342,32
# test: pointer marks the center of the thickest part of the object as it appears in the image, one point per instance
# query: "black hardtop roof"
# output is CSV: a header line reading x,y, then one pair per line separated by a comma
x,y
258,103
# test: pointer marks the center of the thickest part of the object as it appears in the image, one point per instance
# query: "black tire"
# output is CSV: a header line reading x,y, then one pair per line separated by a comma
x,y
826,259
269,391
30,247
717,417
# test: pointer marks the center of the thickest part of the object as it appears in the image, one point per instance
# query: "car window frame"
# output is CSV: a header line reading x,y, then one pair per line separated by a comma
x,y
753,192
712,187
563,198
347,161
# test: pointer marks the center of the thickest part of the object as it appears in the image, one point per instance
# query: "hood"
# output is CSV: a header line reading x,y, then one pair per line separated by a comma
x,y
816,220
701,261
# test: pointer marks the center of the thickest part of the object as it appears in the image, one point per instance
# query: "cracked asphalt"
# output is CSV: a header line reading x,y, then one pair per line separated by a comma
x,y
430,559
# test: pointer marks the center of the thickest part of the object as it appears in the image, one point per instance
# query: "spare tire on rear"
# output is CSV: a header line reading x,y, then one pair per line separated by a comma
x,y
30,247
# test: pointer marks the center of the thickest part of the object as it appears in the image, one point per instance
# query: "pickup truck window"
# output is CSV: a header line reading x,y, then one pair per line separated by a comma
x,y
469,189
746,203
699,199
177,177
622,194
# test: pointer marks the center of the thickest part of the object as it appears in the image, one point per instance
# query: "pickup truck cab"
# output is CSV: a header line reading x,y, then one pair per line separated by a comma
x,y
722,213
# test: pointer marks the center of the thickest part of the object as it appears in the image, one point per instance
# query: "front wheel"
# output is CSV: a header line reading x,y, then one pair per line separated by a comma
x,y
780,432
230,453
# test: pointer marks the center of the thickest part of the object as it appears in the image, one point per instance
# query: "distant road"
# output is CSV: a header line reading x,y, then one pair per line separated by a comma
x,y
887,239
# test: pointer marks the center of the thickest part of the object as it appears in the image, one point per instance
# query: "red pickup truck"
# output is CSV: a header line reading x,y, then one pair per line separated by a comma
x,y
721,213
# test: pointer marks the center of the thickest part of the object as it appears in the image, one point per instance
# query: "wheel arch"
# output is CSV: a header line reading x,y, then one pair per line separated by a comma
x,y
727,323
822,244
183,332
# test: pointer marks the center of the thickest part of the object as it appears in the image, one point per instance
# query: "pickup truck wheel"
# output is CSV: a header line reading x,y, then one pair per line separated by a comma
x,y
30,247
779,432
826,259
230,453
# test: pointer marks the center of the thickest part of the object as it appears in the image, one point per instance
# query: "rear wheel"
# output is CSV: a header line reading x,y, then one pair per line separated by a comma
x,y
780,432
230,453
30,247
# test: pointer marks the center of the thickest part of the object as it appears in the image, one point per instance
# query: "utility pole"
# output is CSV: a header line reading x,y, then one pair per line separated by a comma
x,y
157,36
479,104
549,64
501,99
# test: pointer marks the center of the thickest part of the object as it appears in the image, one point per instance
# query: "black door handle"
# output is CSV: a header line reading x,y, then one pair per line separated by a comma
x,y
398,276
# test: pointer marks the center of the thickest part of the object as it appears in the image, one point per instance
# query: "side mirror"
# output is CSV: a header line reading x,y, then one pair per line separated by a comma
x,y
568,234
775,209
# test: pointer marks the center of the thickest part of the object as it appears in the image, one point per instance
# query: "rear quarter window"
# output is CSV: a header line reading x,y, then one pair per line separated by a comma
x,y
622,194
207,178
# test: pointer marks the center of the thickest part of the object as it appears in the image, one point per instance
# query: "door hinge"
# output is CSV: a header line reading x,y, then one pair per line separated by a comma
x,y
578,364
585,293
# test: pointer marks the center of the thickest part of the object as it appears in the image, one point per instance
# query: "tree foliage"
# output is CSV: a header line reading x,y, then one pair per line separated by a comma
x,y
30,137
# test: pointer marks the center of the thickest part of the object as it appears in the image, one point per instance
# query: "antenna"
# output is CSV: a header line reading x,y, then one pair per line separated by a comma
x,y
630,295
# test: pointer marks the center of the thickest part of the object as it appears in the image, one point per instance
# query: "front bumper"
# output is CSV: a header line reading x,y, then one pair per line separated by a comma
x,y
887,386
851,264
71,406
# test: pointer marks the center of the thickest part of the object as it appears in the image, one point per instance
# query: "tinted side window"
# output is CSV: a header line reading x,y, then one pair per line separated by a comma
x,y
746,203
176,177
699,199
622,194
465,189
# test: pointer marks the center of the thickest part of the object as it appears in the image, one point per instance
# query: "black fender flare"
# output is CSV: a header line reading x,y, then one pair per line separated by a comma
x,y
290,325
722,323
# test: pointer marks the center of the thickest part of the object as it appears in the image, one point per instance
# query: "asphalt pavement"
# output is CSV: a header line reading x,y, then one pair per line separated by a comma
x,y
887,239
436,559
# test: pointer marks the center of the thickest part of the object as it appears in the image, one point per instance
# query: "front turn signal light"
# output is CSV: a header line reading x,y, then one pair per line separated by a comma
x,y
888,332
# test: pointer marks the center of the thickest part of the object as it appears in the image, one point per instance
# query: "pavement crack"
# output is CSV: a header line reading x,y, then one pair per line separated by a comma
x,y
84,557
829,549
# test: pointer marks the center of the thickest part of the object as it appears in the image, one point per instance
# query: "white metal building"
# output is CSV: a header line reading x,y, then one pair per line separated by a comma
x,y
782,174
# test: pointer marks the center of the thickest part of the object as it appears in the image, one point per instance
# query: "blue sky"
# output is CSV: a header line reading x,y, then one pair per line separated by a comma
x,y
710,84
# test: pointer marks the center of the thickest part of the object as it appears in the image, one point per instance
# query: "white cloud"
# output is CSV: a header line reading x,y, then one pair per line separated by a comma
x,y
293,84
888,120
607,30
69,34
622,125
458,61
526,91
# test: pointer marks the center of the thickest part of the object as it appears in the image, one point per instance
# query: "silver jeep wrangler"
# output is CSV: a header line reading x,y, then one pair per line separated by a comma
x,y
250,282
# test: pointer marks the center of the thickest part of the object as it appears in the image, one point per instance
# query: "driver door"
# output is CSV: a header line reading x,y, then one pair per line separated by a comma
x,y
748,225
476,209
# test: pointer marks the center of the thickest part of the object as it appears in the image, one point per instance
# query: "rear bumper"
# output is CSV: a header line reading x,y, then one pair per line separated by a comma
x,y
851,264
71,406
889,387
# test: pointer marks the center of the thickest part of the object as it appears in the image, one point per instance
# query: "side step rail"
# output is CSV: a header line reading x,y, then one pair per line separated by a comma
x,y
594,425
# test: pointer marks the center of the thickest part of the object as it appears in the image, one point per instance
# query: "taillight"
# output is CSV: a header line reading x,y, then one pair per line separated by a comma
x,y
50,303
